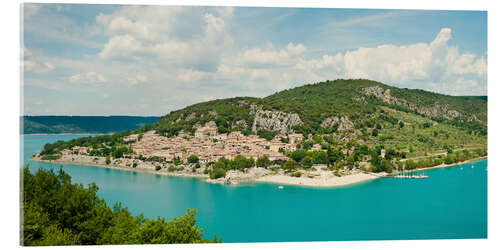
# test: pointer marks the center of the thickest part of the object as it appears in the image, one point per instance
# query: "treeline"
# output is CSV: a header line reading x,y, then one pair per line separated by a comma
x,y
450,158
57,212
97,143
219,168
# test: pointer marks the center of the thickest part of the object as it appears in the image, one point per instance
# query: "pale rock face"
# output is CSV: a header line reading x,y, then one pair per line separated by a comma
x,y
240,123
434,111
343,123
274,120
211,124
190,117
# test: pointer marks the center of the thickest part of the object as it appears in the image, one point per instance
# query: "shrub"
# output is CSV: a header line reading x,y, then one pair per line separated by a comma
x,y
296,174
158,168
217,173
193,159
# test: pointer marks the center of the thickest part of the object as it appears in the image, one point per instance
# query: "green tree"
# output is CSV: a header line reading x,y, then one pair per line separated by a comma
x,y
263,162
193,159
57,212
289,165
307,161
298,155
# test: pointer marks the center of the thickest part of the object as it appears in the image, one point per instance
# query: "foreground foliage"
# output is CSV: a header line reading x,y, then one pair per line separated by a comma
x,y
57,212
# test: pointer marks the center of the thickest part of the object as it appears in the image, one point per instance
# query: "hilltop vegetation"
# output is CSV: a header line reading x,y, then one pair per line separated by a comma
x,y
315,102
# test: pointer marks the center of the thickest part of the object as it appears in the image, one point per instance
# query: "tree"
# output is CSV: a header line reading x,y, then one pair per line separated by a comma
x,y
375,132
401,124
193,159
217,172
298,155
57,212
263,162
307,161
289,165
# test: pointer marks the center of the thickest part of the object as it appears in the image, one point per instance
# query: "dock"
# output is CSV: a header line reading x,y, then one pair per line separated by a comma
x,y
411,176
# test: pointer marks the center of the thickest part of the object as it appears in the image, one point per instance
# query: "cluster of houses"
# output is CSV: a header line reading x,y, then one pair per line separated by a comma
x,y
208,145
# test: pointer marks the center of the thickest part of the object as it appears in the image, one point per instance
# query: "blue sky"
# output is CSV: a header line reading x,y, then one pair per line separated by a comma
x,y
149,60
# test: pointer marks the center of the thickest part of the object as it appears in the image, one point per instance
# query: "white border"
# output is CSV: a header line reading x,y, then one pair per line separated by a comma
x,y
10,13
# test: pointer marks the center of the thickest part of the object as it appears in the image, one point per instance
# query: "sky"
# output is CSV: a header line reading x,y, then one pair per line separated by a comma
x,y
79,59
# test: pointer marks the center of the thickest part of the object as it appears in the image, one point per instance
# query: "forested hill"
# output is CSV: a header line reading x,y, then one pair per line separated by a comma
x,y
326,107
82,124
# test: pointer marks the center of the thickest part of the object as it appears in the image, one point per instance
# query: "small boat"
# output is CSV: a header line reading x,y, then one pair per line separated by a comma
x,y
280,187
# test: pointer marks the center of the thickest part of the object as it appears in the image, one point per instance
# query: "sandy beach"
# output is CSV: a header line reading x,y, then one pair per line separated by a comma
x,y
315,177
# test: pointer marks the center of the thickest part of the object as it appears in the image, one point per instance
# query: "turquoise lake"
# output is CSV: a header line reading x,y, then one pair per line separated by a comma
x,y
450,204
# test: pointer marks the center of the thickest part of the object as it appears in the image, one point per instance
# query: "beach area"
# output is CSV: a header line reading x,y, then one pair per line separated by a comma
x,y
313,177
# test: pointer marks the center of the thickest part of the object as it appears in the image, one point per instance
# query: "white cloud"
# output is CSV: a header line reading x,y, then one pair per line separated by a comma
x,y
137,78
31,63
87,78
183,37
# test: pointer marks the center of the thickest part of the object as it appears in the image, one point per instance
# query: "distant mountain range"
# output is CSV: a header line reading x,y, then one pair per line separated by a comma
x,y
82,124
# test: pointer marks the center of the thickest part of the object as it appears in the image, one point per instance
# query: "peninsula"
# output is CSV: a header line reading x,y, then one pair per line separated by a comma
x,y
325,134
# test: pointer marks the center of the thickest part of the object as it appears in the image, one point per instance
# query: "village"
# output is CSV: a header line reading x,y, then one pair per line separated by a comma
x,y
209,146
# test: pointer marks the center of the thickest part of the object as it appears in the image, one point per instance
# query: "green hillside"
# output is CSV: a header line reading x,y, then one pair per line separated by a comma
x,y
315,102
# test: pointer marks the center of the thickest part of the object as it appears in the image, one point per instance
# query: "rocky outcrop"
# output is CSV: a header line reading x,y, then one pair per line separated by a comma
x,y
240,124
343,123
191,117
434,111
274,120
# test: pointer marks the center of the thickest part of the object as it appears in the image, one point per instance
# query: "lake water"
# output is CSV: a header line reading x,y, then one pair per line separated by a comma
x,y
450,204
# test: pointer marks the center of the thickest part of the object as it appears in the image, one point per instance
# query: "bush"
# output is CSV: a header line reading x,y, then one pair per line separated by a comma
x,y
193,159
158,168
217,173
263,162
108,160
289,165
296,174
134,165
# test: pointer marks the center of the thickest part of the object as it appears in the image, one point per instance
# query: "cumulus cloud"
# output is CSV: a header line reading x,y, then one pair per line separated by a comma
x,y
137,78
87,78
180,36
31,63
200,50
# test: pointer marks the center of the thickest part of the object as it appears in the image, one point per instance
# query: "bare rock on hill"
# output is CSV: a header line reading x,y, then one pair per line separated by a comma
x,y
274,120
343,123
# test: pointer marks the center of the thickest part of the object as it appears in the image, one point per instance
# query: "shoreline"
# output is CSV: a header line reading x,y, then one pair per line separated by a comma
x,y
259,175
